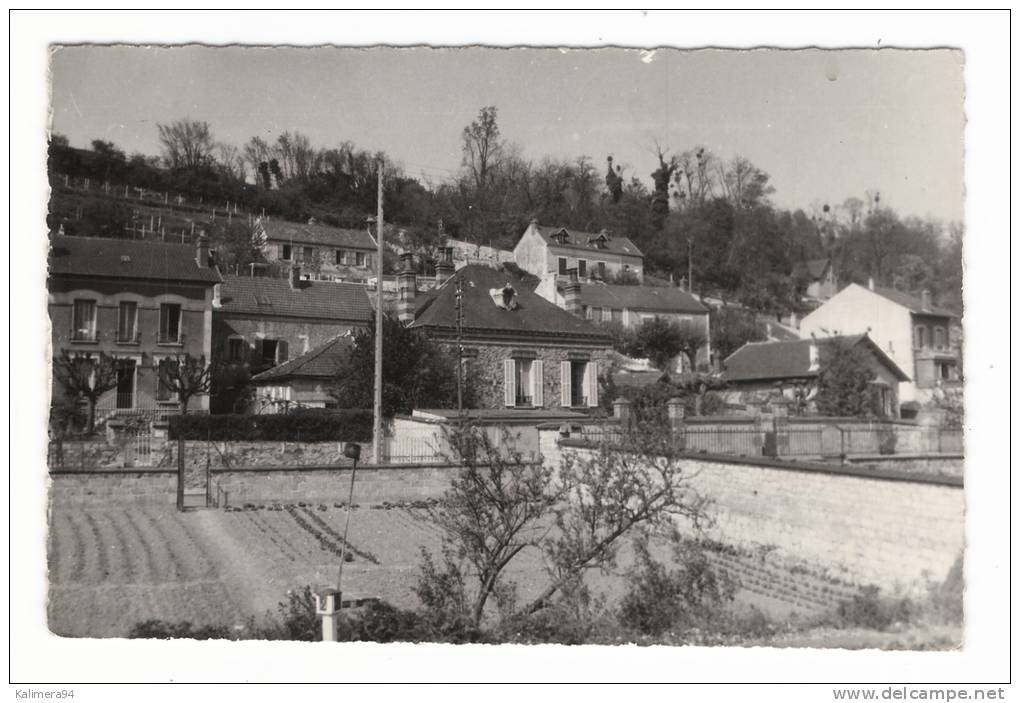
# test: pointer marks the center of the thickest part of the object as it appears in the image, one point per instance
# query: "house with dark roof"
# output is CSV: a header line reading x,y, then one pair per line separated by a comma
x,y
304,381
141,302
324,253
628,305
264,322
819,277
914,332
542,250
519,350
760,373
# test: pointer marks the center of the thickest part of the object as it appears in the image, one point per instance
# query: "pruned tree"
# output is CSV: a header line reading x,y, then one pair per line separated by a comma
x,y
186,376
187,144
661,177
577,516
86,375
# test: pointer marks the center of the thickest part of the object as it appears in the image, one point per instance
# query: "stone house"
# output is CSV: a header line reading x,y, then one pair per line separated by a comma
x,y
304,381
916,334
141,302
264,322
765,373
520,350
324,253
545,250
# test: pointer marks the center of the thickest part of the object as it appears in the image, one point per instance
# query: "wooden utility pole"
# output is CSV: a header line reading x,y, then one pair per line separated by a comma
x,y
377,438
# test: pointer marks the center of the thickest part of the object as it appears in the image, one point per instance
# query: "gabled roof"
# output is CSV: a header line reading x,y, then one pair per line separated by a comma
x,y
575,239
775,361
652,299
323,235
814,268
321,362
127,258
533,316
912,302
316,299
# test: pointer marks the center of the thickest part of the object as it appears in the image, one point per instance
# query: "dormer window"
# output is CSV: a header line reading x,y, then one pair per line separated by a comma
x,y
562,237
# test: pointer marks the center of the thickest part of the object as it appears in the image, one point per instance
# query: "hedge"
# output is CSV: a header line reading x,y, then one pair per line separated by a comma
x,y
297,426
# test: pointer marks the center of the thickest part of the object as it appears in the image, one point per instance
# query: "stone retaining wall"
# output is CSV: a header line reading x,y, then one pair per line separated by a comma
x,y
863,525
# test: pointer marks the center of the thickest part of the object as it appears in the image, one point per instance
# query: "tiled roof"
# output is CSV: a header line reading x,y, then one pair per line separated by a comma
x,y
533,316
912,302
649,298
585,241
127,258
274,296
773,361
814,268
321,362
282,231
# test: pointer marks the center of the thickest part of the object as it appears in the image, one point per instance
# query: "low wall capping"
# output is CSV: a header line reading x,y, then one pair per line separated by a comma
x,y
803,466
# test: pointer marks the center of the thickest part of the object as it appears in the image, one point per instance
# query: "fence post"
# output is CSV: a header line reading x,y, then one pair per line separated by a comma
x,y
675,413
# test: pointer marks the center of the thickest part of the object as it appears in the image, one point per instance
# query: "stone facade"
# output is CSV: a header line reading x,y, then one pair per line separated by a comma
x,y
299,335
484,369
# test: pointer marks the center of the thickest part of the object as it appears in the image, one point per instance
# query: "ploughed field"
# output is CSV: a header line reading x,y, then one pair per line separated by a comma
x,y
114,565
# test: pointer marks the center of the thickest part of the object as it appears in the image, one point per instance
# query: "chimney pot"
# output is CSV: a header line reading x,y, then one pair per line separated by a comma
x,y
871,283
926,299
202,251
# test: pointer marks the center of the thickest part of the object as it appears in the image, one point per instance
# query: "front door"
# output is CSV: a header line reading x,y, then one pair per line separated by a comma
x,y
126,384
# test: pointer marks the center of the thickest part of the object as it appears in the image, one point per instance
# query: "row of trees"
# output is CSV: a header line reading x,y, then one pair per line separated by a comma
x,y
703,213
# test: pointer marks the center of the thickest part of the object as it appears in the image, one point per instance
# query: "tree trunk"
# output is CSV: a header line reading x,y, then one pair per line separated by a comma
x,y
91,424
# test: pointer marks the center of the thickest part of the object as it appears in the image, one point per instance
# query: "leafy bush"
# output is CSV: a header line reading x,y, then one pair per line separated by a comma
x,y
381,622
162,630
870,610
661,599
299,425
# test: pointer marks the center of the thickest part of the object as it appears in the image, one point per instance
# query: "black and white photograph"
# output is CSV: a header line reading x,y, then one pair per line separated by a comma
x,y
507,346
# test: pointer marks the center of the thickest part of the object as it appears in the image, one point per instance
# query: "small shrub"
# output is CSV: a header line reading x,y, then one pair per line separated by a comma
x,y
660,599
870,610
162,630
381,622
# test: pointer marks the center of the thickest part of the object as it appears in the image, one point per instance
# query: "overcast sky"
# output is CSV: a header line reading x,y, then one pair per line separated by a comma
x,y
824,125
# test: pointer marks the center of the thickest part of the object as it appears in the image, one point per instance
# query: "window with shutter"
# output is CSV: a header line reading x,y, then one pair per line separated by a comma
x,y
565,383
593,383
509,391
538,380
281,351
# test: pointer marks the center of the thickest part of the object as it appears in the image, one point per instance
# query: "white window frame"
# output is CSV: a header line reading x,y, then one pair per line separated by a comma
x,y
160,339
132,337
87,332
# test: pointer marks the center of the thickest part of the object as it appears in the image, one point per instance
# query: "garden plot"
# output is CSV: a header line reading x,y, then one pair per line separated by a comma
x,y
112,566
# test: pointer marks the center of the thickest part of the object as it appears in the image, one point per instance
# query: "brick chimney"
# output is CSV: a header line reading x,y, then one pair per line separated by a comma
x,y
926,300
444,265
407,285
295,277
202,251
572,293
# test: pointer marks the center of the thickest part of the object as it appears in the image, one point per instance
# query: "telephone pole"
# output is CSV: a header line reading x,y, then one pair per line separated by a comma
x,y
377,438
460,347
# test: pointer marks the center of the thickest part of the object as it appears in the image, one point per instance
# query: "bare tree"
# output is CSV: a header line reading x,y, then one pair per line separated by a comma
x,y
744,184
86,375
187,144
186,376
231,162
502,503
482,147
